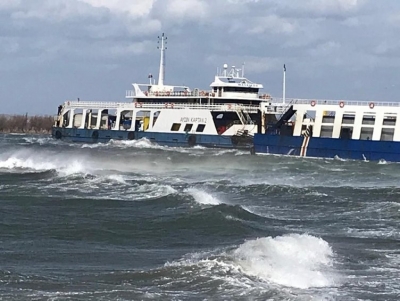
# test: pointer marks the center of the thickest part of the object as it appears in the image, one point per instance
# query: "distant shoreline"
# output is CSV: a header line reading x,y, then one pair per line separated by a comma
x,y
24,124
32,132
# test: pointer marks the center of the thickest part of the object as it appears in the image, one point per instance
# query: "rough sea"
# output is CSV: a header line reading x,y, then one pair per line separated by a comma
x,y
137,221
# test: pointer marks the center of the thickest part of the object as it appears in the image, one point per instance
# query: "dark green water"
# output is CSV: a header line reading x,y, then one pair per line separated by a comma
x,y
135,221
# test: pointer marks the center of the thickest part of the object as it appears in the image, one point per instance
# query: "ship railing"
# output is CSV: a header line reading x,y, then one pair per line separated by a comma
x,y
276,108
334,102
130,105
130,94
212,107
195,93
96,105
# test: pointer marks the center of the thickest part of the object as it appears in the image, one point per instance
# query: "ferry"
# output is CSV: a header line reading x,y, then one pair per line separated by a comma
x,y
227,115
360,130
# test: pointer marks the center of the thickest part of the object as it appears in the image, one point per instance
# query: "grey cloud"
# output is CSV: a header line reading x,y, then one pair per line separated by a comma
x,y
53,50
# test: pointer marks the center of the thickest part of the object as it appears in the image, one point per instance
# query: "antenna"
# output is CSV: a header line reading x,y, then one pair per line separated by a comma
x,y
284,83
161,75
243,69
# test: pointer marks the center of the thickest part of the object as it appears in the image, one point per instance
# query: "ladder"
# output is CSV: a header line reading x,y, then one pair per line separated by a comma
x,y
241,116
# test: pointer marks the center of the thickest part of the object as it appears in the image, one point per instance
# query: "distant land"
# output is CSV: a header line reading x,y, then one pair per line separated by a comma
x,y
26,124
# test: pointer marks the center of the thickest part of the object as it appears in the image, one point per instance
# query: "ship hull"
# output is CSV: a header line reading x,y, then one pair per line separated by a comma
x,y
167,139
327,147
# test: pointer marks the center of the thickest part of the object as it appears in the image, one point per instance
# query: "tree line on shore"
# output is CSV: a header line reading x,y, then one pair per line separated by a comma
x,y
26,124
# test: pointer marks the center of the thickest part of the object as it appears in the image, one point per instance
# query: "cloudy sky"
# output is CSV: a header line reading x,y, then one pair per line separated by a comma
x,y
57,50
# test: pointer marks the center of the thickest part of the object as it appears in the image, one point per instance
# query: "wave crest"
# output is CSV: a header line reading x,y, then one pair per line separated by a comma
x,y
294,260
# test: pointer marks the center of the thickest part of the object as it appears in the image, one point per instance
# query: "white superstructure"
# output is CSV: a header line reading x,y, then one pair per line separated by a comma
x,y
358,120
231,107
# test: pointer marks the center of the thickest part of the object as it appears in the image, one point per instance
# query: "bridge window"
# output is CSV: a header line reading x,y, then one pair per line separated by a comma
x,y
200,128
175,127
241,89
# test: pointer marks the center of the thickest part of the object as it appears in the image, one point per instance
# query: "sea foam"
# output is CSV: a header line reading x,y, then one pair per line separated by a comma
x,y
300,261
30,161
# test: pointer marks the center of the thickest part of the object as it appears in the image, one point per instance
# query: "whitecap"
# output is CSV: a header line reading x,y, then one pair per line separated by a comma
x,y
300,261
382,161
202,197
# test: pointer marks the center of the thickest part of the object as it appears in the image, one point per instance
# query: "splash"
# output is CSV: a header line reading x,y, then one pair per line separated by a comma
x,y
141,143
336,157
289,261
40,140
94,145
117,179
202,197
30,161
14,162
300,261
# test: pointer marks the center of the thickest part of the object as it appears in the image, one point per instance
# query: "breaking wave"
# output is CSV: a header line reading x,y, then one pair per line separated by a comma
x,y
299,261
30,161
203,198
294,260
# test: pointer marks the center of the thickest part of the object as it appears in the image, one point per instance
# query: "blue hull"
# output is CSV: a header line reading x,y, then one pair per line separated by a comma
x,y
167,139
327,147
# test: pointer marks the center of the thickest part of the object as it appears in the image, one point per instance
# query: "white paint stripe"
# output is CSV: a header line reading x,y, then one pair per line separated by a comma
x,y
304,146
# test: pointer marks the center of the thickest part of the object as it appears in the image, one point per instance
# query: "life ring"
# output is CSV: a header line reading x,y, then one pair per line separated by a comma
x,y
371,105
313,103
341,104
169,105
138,104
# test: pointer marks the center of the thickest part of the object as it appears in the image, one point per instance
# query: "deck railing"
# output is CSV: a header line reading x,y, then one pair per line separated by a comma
x,y
266,98
333,102
195,93
131,105
275,105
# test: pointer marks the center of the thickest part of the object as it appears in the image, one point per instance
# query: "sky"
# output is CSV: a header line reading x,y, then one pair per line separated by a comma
x,y
57,50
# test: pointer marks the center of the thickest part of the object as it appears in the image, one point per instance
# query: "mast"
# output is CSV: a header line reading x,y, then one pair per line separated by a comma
x,y
162,47
284,83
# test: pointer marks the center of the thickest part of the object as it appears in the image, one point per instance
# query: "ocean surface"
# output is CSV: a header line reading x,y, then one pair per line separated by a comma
x,y
137,221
